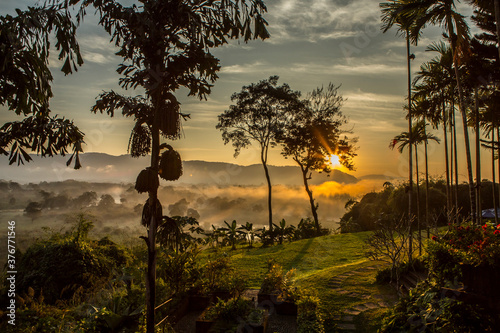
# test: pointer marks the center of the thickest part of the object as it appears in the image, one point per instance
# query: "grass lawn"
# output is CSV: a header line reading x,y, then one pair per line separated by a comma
x,y
335,267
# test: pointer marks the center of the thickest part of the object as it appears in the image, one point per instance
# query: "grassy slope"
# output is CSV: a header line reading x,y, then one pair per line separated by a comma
x,y
318,261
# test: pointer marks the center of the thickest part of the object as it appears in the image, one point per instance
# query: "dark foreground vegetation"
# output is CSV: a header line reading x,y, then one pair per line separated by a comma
x,y
69,282
460,293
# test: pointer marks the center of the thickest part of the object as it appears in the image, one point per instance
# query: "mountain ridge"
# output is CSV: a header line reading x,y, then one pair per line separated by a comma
x,y
102,167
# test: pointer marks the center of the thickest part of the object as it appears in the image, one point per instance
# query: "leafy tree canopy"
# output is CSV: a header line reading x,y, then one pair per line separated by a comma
x,y
259,114
25,83
316,132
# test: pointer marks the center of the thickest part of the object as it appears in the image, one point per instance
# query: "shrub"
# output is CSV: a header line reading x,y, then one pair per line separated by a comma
x,y
469,244
231,310
309,318
444,262
427,307
179,269
276,281
65,265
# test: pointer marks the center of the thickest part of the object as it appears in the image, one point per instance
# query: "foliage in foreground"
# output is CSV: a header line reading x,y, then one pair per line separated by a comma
x,y
437,305
428,308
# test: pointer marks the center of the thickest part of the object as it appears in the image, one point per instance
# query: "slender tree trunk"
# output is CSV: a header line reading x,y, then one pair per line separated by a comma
x,y
463,113
455,158
493,171
263,158
314,208
452,161
151,239
427,224
410,156
497,19
478,159
447,164
418,204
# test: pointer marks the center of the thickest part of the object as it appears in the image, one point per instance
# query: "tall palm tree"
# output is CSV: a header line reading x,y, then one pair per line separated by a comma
x,y
443,13
392,14
426,108
417,136
434,87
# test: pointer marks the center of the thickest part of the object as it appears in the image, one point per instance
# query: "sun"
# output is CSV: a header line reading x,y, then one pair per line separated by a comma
x,y
334,160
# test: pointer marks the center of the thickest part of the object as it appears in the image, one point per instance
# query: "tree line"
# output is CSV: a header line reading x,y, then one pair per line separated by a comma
x,y
464,77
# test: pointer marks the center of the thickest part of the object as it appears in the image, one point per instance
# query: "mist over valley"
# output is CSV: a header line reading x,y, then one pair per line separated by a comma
x,y
46,194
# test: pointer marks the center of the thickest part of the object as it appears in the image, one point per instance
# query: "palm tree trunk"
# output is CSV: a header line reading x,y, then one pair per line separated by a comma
x,y
314,207
463,113
418,204
478,159
263,158
452,161
427,224
410,161
448,191
455,158
493,171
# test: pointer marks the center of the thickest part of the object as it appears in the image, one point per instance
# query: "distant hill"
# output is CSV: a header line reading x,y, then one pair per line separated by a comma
x,y
99,167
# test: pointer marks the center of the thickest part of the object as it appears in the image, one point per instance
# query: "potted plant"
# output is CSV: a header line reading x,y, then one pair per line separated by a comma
x,y
198,299
256,321
271,285
229,314
277,290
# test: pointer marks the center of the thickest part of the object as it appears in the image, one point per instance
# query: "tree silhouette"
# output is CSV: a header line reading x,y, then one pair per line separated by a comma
x,y
392,14
166,45
443,13
313,133
434,90
26,83
259,115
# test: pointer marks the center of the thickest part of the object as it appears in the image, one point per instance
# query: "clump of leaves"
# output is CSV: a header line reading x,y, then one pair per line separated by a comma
x,y
309,317
427,306
278,282
231,310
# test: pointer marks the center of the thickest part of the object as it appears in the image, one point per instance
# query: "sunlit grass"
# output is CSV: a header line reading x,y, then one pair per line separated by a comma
x,y
317,261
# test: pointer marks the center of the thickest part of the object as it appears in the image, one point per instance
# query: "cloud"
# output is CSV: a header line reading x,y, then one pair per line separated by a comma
x,y
96,42
357,69
98,58
244,68
106,169
337,34
358,96
98,49
315,20
364,69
